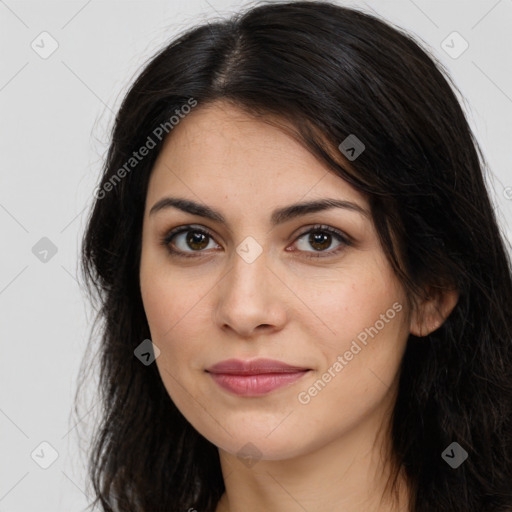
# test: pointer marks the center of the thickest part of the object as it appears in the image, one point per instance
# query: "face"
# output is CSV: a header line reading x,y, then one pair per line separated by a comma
x,y
314,291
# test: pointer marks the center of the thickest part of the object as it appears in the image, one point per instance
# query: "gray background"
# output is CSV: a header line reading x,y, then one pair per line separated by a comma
x,y
55,116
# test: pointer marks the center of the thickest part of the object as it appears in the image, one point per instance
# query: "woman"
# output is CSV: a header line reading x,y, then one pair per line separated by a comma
x,y
305,295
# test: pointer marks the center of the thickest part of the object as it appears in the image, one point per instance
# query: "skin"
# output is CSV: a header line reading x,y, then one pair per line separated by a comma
x,y
333,452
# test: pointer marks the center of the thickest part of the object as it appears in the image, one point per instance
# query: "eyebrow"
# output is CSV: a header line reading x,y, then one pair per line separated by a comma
x,y
279,216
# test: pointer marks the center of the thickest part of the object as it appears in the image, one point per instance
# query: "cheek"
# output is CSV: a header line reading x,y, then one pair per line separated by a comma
x,y
169,300
357,376
179,324
350,302
173,315
366,316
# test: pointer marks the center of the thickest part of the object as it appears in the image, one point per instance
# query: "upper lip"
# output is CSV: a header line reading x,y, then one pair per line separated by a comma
x,y
253,367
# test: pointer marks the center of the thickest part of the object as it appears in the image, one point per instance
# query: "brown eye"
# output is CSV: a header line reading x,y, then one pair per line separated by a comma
x,y
187,240
320,241
196,240
321,238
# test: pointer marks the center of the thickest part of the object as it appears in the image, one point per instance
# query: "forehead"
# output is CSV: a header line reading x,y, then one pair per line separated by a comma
x,y
220,151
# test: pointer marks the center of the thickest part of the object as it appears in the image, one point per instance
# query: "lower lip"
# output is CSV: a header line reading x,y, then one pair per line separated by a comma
x,y
255,385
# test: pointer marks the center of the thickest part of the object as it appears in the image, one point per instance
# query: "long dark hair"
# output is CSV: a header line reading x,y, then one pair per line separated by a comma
x,y
332,71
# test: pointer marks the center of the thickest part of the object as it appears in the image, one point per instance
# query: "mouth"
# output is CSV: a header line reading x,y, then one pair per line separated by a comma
x,y
254,378
254,367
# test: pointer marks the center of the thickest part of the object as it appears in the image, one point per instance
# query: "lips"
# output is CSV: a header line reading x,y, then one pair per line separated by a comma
x,y
254,367
254,378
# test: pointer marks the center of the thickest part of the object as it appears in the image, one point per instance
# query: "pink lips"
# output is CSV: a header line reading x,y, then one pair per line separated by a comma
x,y
256,377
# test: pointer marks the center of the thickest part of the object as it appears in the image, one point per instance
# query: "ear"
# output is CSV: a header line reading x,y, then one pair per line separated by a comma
x,y
433,311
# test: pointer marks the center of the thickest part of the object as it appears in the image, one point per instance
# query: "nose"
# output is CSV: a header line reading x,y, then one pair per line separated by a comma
x,y
250,298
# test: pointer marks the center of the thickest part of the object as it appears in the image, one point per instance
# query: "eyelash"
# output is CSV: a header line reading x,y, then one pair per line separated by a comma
x,y
342,237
